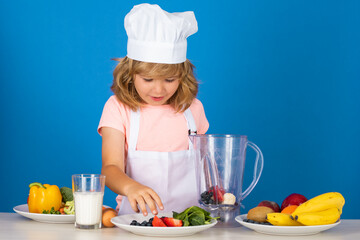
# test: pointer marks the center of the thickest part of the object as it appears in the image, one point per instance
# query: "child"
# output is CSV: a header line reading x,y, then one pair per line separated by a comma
x,y
145,125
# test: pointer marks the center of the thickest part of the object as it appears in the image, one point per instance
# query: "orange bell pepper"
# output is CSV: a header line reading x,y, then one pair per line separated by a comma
x,y
44,197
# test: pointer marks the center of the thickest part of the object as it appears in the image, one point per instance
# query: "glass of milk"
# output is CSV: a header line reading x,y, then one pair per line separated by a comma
x,y
88,192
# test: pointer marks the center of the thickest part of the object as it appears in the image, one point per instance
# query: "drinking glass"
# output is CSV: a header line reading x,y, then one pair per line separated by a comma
x,y
88,190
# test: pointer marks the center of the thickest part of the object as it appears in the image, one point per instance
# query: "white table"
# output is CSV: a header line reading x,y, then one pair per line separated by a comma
x,y
14,226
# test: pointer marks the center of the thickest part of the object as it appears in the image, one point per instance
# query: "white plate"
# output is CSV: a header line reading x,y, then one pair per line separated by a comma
x,y
124,221
284,230
46,218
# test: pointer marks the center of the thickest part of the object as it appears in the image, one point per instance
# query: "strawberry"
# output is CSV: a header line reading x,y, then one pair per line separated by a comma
x,y
157,222
172,222
218,193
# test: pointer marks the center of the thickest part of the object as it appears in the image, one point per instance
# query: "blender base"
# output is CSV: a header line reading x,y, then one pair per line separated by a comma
x,y
226,214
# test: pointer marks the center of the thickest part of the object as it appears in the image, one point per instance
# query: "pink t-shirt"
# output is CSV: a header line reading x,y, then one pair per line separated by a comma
x,y
161,129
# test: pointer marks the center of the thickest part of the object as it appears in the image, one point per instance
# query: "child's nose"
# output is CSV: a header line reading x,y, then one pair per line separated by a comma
x,y
159,87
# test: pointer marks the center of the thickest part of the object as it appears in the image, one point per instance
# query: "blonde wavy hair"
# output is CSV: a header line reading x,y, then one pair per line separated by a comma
x,y
124,76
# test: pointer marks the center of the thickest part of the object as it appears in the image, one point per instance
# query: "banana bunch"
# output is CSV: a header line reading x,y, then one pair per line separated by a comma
x,y
323,209
320,210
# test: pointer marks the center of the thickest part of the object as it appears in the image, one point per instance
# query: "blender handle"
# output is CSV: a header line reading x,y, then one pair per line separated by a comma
x,y
259,163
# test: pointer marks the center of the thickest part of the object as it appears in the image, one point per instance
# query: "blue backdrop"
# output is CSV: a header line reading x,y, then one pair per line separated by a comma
x,y
285,73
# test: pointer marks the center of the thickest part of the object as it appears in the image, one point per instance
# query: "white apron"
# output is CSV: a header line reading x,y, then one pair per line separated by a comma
x,y
170,174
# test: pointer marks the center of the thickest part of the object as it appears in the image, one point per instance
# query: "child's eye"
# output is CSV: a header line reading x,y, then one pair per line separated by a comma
x,y
169,79
147,79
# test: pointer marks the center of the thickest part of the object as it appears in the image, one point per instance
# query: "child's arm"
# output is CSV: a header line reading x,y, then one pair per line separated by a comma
x,y
113,145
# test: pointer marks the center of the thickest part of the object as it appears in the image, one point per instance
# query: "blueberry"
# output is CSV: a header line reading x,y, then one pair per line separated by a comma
x,y
149,224
138,224
212,201
133,222
251,221
150,220
246,220
144,223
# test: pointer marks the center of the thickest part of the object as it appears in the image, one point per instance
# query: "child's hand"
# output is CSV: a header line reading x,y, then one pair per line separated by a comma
x,y
139,196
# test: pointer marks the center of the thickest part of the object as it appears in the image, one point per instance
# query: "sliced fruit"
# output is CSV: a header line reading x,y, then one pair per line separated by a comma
x,y
172,222
157,222
218,193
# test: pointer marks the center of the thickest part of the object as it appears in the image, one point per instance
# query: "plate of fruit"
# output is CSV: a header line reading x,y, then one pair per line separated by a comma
x,y
297,215
192,220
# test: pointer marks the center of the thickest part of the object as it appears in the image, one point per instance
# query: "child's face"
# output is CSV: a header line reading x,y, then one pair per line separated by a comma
x,y
156,91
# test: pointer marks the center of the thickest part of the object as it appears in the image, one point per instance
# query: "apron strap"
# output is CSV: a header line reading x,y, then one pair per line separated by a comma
x,y
190,122
135,126
191,125
134,129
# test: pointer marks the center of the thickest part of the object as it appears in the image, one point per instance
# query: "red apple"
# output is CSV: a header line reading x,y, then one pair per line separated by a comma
x,y
270,204
293,199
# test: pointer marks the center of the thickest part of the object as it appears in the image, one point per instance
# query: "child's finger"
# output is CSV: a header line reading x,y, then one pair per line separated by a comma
x,y
133,205
151,203
157,200
141,204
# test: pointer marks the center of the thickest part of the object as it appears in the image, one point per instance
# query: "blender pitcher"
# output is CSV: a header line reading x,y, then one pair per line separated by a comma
x,y
219,165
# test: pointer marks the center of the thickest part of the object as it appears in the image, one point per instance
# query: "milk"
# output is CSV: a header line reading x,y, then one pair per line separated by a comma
x,y
88,207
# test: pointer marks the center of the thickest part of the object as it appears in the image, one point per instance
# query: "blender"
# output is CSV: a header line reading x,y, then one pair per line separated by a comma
x,y
219,164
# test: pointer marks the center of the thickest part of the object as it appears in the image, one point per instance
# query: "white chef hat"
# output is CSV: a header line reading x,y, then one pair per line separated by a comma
x,y
157,36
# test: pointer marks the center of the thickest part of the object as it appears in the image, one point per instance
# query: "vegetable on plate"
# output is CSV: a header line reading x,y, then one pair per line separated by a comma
x,y
44,197
194,216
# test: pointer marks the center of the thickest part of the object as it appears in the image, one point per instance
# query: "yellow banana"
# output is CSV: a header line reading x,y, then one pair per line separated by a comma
x,y
321,203
328,216
281,219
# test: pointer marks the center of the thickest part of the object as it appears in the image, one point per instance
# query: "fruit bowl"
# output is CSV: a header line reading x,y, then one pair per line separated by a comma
x,y
283,230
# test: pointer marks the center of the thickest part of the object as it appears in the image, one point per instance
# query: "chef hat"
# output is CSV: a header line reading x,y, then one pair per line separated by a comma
x,y
157,36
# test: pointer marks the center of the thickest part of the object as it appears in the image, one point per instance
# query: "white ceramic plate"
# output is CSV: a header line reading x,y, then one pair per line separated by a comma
x,y
284,230
124,221
46,218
